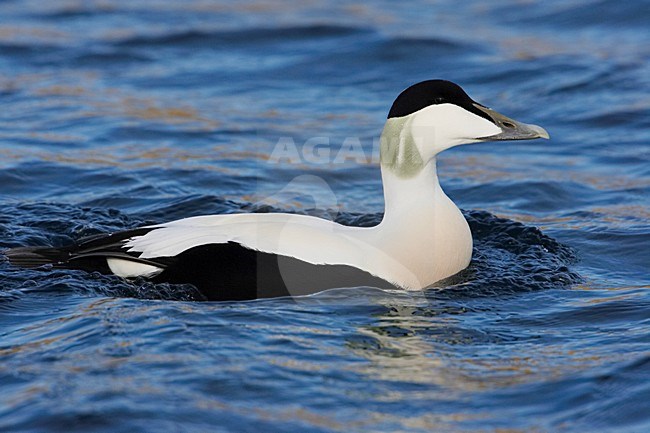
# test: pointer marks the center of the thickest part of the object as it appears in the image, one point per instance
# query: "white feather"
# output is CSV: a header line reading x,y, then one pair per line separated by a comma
x,y
130,269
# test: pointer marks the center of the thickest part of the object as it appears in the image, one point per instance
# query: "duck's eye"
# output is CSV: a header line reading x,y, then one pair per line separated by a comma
x,y
439,100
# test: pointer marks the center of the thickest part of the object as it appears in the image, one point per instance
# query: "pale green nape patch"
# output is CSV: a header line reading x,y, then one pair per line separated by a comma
x,y
398,151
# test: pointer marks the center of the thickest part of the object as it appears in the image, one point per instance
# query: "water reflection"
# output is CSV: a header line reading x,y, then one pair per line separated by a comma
x,y
458,348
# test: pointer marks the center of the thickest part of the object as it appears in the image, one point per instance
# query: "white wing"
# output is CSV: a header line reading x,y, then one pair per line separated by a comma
x,y
311,239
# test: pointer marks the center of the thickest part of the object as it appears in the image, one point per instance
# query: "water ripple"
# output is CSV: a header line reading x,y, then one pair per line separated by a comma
x,y
119,114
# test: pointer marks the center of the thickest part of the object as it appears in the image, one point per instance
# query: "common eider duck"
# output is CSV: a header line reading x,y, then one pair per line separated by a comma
x,y
422,238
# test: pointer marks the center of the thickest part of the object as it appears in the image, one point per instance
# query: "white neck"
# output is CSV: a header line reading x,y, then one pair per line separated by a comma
x,y
422,228
410,181
408,197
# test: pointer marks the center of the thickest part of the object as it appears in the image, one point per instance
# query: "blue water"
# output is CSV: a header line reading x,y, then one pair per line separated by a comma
x,y
117,114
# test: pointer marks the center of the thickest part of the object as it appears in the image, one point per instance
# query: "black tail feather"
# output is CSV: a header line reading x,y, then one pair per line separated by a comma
x,y
34,257
88,253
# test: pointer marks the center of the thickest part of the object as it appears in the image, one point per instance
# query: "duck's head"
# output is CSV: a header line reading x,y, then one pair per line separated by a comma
x,y
434,115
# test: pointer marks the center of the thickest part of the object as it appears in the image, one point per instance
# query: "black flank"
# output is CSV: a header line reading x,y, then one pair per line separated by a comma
x,y
232,272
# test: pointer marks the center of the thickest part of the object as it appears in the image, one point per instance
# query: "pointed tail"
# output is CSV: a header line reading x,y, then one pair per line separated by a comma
x,y
33,257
